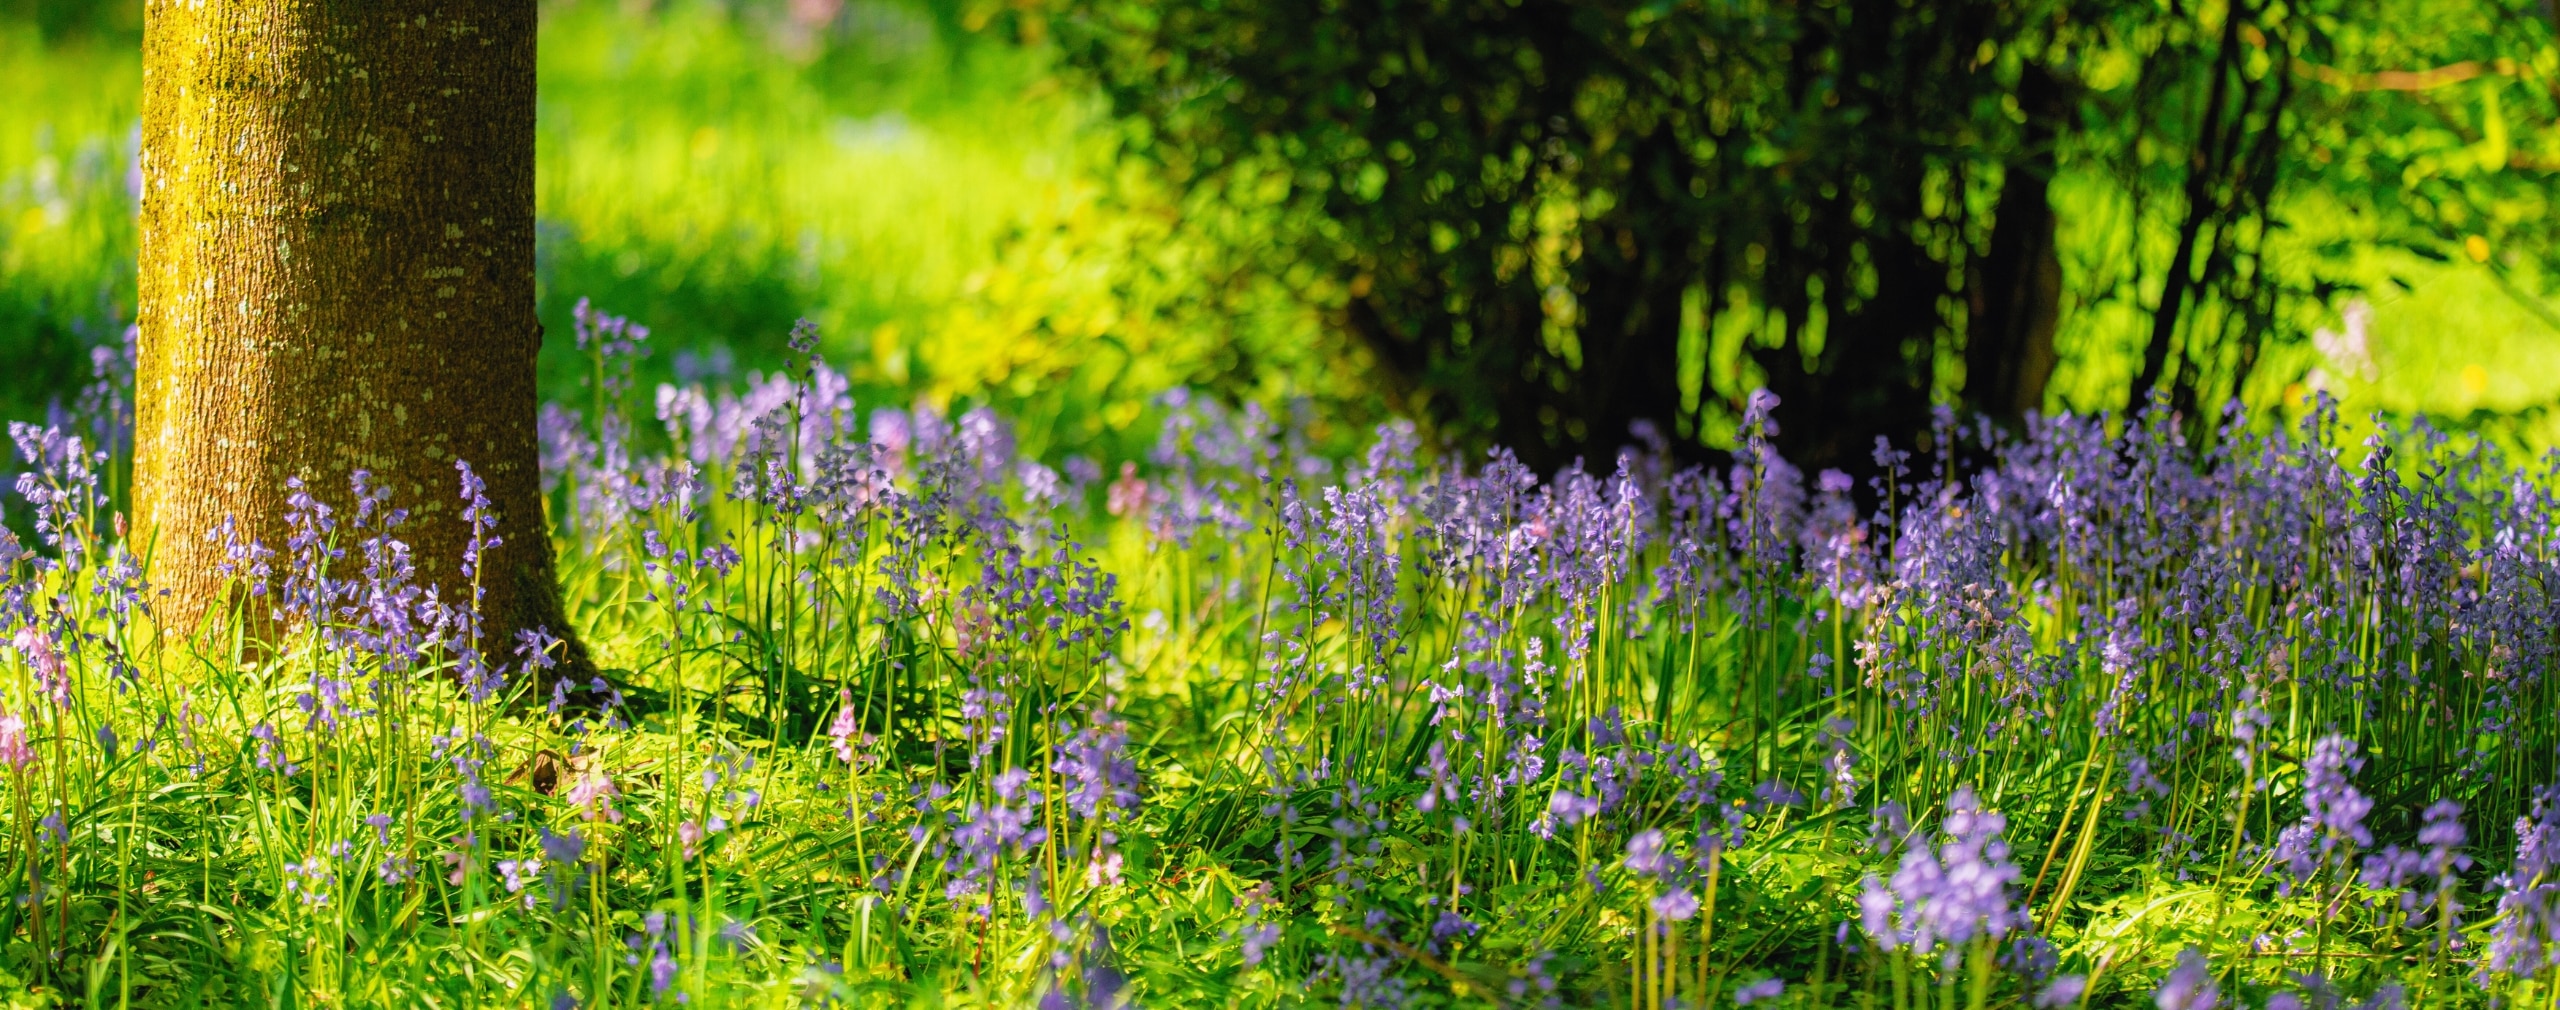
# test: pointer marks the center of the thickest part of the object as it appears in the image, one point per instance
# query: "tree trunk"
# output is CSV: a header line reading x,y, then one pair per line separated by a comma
x,y
337,275
1636,267
2016,284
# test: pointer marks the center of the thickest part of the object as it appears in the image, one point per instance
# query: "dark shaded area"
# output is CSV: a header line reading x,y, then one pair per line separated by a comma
x,y
1549,221
57,20
2015,285
1536,205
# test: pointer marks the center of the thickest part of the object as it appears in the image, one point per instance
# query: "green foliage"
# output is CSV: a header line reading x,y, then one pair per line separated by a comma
x,y
66,228
1553,220
115,21
1547,212
922,190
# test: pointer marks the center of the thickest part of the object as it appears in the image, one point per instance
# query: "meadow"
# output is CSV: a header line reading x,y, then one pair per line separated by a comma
x,y
891,714
986,638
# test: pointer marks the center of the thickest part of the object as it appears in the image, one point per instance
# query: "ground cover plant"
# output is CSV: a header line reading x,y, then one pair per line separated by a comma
x,y
887,713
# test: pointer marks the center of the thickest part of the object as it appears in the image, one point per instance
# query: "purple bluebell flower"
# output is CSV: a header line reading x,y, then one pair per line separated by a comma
x,y
1876,905
310,881
1839,762
2331,801
1101,781
2524,939
1257,938
662,969
1565,809
1647,855
1004,826
2063,992
1952,895
1364,980
2190,985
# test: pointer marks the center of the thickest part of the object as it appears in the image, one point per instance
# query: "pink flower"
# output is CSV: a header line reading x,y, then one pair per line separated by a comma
x,y
847,726
1103,870
38,651
14,751
594,793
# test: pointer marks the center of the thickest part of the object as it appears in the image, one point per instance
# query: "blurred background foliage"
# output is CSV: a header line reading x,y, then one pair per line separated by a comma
x,y
1532,223
1560,218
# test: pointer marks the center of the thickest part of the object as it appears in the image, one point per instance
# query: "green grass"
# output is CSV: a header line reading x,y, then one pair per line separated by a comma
x,y
66,231
694,177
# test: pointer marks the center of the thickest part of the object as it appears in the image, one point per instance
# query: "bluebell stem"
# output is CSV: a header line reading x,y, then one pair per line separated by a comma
x,y
1835,544
36,649
1440,783
1359,543
1101,781
1101,784
483,519
63,487
270,751
803,339
845,733
2121,661
309,591
106,401
385,607
662,962
613,344
1391,462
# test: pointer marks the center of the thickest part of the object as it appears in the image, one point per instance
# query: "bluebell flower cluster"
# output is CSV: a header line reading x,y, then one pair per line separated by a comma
x,y
1375,720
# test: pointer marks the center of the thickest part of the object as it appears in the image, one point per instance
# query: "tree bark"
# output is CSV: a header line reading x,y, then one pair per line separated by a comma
x,y
337,275
2016,284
